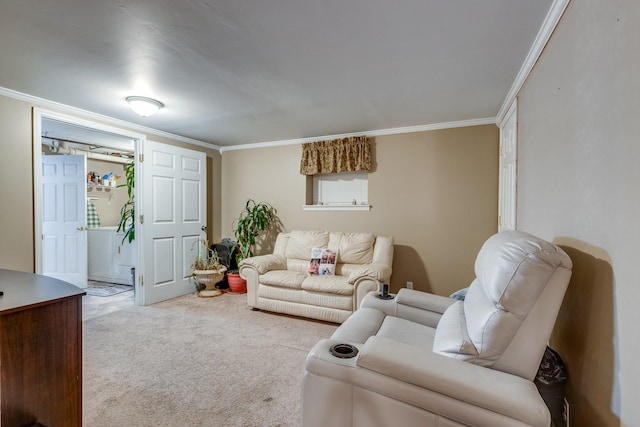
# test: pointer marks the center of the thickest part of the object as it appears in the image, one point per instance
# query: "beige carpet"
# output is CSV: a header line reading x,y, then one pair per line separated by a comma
x,y
195,362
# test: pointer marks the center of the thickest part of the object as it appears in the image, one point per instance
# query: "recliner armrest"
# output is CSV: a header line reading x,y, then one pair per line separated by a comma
x,y
454,389
424,300
417,306
264,263
496,391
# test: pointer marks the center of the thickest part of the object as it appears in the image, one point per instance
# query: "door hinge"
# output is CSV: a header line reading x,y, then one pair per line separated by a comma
x,y
141,158
141,280
141,219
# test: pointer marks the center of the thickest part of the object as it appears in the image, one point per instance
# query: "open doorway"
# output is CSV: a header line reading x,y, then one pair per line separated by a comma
x,y
170,191
77,209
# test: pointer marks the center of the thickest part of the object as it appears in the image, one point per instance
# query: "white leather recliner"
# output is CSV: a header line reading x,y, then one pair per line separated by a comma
x,y
424,360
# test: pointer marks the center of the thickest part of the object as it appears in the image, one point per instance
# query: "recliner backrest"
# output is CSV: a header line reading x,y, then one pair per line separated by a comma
x,y
510,308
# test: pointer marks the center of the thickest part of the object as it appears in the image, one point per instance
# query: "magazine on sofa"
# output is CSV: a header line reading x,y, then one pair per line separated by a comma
x,y
323,262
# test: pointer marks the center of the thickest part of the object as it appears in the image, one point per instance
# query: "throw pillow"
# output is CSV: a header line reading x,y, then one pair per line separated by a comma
x,y
323,262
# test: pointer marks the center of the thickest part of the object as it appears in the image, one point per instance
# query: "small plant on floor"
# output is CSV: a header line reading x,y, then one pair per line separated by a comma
x,y
206,258
207,270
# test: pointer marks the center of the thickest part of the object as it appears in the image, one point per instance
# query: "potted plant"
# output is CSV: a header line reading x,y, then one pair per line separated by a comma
x,y
127,223
128,213
253,220
206,267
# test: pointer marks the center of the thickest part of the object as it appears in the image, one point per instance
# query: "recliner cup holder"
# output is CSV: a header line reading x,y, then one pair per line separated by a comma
x,y
344,351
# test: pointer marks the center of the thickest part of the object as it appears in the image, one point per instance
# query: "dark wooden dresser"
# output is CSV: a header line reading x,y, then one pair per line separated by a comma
x,y
40,351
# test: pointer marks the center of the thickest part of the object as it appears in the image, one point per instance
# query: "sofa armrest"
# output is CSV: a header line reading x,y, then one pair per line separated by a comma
x,y
454,389
264,263
251,268
379,272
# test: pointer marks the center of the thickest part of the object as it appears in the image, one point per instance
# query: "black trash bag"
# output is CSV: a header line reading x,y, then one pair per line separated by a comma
x,y
226,251
550,381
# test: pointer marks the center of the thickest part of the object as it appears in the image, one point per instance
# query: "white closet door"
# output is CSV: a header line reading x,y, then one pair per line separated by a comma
x,y
64,212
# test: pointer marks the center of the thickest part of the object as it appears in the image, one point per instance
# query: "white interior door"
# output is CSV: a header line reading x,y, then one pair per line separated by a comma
x,y
174,217
64,211
508,173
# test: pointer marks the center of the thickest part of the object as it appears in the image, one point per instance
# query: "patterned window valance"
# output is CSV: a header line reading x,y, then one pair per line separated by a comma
x,y
338,155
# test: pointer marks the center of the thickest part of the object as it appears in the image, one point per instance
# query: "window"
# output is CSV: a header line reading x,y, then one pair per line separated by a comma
x,y
340,188
337,191
337,173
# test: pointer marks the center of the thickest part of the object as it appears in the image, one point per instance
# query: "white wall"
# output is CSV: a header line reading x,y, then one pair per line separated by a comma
x,y
579,185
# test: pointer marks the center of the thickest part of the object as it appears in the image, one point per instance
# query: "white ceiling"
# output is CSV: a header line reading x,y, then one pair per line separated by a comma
x,y
246,71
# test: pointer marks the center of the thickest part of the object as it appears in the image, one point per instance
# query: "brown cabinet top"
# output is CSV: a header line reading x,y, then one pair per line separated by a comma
x,y
28,290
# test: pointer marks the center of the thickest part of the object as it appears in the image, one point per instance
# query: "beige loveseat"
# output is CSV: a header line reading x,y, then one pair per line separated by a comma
x,y
279,282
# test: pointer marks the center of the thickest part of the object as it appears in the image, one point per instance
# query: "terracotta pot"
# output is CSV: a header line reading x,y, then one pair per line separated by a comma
x,y
236,283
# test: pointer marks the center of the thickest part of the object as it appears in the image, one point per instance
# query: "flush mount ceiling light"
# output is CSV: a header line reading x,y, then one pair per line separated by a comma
x,y
144,106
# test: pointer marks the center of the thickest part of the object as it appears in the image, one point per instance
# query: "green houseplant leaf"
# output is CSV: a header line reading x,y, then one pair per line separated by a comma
x,y
127,221
253,220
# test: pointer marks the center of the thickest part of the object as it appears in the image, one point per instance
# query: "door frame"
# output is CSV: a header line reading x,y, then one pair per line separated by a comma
x,y
138,142
508,185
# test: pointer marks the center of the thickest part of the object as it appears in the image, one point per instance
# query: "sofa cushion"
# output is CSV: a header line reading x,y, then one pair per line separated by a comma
x,y
298,265
301,242
383,250
283,278
353,248
328,284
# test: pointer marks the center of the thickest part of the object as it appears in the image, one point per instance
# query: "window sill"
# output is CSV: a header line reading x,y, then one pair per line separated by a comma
x,y
345,207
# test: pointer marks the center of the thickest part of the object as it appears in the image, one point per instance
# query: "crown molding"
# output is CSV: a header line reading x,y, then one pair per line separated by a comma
x,y
379,132
41,102
88,115
546,30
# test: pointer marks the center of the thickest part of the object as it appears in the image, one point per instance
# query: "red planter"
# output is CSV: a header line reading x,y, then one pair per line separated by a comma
x,y
237,284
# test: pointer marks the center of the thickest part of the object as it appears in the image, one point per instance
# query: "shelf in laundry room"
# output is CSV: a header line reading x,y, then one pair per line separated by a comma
x,y
98,190
101,187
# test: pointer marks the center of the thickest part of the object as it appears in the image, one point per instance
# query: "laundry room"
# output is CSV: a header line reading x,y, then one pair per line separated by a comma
x,y
95,194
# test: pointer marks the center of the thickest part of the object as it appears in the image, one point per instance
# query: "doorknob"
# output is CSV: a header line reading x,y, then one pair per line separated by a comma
x,y
81,228
203,228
